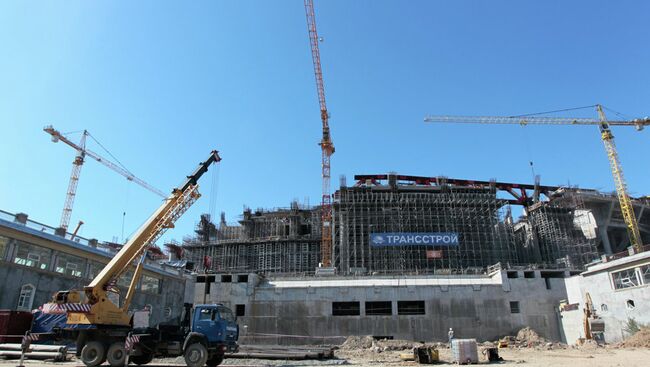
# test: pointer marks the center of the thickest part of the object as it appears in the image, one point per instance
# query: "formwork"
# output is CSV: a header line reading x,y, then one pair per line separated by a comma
x,y
476,214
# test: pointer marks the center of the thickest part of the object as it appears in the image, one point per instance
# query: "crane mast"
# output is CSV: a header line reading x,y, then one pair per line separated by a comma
x,y
74,181
326,144
98,308
619,181
607,137
79,160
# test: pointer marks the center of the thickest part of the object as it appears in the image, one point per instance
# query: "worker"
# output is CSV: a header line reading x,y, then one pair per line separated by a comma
x,y
451,336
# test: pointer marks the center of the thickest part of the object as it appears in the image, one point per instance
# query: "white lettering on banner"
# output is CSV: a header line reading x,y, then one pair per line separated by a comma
x,y
395,239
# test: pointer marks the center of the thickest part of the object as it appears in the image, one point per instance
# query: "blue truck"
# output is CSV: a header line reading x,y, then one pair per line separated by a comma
x,y
203,336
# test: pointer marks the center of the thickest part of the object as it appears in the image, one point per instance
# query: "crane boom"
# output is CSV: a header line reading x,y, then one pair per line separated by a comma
x,y
607,138
99,309
538,120
57,136
326,144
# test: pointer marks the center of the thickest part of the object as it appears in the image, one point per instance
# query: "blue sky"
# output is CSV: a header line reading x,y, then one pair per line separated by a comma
x,y
162,83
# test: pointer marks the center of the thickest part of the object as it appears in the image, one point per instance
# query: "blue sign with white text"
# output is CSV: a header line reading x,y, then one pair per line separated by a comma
x,y
414,239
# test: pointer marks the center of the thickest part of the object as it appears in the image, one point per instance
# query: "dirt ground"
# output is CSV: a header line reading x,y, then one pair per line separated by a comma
x,y
525,357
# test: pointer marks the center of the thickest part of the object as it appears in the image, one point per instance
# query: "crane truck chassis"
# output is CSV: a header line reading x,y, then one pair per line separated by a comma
x,y
103,330
204,335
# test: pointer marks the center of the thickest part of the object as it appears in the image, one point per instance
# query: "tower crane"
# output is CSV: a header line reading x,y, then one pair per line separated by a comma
x,y
326,144
79,160
607,138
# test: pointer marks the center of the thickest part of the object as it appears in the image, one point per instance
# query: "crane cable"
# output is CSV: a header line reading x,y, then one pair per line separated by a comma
x,y
547,112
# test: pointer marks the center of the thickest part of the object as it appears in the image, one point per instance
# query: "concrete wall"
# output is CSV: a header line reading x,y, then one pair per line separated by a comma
x,y
610,304
300,310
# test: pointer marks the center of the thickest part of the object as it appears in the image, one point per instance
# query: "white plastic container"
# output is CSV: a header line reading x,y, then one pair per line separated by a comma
x,y
464,351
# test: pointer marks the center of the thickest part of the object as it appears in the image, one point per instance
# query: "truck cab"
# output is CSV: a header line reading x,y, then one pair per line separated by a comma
x,y
214,332
217,323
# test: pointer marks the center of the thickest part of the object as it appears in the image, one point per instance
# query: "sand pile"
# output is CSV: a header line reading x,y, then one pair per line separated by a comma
x,y
639,340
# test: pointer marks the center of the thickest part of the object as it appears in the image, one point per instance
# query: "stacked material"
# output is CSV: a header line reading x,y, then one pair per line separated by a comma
x,y
35,351
282,352
464,351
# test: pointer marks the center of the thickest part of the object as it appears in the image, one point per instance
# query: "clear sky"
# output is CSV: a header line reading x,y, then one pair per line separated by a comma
x,y
161,83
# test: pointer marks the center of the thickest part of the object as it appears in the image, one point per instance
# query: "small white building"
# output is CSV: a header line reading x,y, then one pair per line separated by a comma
x,y
620,292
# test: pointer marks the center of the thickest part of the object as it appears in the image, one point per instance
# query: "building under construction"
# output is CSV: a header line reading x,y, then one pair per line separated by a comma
x,y
560,228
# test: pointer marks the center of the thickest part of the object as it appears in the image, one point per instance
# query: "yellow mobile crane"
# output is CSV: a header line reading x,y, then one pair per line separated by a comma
x,y
605,134
100,327
98,309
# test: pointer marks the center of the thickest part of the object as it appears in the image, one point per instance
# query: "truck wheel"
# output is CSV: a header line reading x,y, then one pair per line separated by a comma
x,y
93,354
215,360
196,355
141,359
116,355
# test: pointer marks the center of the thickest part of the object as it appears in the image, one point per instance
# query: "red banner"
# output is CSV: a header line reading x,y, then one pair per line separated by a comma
x,y
434,254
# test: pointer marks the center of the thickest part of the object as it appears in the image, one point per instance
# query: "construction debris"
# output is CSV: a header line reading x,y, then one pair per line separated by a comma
x,y
641,339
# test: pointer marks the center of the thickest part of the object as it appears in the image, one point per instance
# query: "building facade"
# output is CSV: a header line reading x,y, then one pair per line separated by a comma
x,y
620,292
35,263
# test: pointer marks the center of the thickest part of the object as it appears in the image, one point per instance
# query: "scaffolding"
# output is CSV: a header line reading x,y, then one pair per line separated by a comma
x,y
557,232
283,241
563,232
475,214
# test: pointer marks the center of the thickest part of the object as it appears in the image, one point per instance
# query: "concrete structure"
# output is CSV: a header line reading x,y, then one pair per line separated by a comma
x,y
562,228
620,292
327,310
35,263
612,232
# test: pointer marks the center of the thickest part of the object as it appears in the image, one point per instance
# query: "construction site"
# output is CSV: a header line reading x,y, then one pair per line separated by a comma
x,y
560,228
387,269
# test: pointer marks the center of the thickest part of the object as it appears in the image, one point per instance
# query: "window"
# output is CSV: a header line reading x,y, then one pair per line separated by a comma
x,y
206,314
26,298
513,275
150,284
410,307
630,304
125,279
529,274
240,310
514,306
33,256
226,314
346,309
625,279
4,243
226,279
94,269
379,308
242,278
69,265
645,274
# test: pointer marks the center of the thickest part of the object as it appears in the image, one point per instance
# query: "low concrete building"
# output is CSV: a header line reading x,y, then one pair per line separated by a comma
x,y
620,292
327,310
35,263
